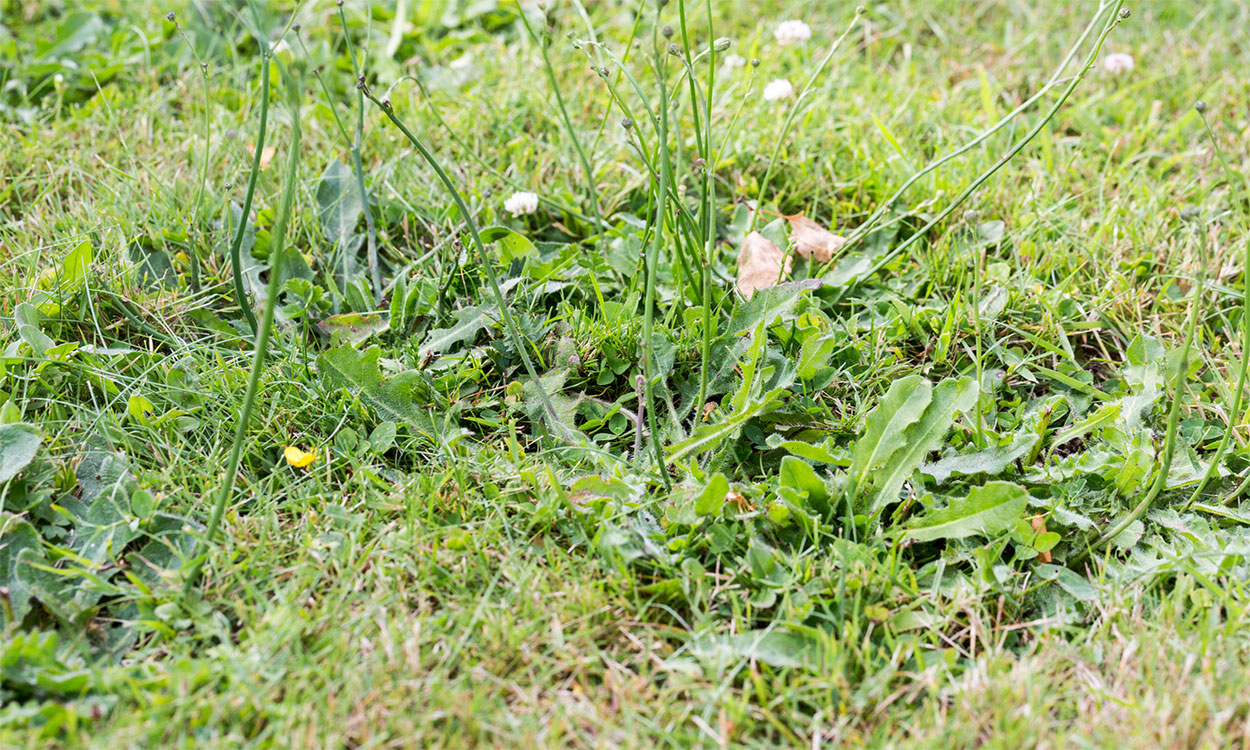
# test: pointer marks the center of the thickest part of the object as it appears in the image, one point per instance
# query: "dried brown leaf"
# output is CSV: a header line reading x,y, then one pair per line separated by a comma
x,y
266,154
759,265
812,240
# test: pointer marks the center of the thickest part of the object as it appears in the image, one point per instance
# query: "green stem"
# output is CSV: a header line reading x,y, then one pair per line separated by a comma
x,y
519,343
236,247
653,262
1169,445
1239,391
262,339
871,223
591,190
1015,149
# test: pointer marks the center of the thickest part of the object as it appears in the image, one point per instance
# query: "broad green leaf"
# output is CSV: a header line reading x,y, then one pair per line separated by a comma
x,y
1068,580
987,511
825,453
712,499
919,438
153,268
797,648
18,444
797,474
469,321
16,535
902,405
768,303
354,327
392,397
991,461
338,204
512,244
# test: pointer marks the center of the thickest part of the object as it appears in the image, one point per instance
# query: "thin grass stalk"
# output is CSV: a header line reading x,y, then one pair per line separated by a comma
x,y
371,230
518,342
273,288
236,247
653,262
1016,148
1239,390
709,218
862,231
1169,444
591,190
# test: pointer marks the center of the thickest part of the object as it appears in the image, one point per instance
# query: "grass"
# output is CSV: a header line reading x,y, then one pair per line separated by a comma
x,y
875,512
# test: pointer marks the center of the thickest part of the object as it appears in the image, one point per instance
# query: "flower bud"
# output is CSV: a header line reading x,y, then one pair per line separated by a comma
x,y
755,62
1200,106
667,31
170,16
627,123
674,50
721,44
1125,13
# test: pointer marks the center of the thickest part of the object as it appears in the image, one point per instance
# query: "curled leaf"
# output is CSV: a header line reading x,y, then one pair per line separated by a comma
x,y
812,240
760,265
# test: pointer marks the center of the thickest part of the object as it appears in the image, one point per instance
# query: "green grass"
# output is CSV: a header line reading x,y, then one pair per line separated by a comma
x,y
462,566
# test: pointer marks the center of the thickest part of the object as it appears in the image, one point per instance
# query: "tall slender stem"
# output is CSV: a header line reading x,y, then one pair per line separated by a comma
x,y
518,342
652,264
236,247
262,339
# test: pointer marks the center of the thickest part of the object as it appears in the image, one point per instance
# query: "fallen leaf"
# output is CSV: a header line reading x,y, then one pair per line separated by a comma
x,y
759,265
1039,527
812,240
266,154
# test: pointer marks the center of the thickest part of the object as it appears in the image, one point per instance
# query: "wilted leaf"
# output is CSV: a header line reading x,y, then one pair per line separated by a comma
x,y
266,154
986,511
811,240
354,327
759,265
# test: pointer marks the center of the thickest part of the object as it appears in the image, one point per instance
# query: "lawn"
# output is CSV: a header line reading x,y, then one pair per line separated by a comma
x,y
621,373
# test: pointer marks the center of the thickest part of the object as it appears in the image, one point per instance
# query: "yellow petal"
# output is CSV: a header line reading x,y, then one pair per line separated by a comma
x,y
298,458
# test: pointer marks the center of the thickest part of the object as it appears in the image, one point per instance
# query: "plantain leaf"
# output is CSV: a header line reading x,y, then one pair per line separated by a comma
x,y
910,422
987,511
992,460
902,406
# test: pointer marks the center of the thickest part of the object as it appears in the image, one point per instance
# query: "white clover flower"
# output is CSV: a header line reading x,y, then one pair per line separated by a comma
x,y
521,203
778,89
734,61
1117,63
792,32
